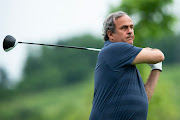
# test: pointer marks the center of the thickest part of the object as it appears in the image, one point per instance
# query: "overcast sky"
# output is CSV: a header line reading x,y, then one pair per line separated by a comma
x,y
44,20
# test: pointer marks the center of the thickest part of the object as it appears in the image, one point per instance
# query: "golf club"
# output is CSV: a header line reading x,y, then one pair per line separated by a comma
x,y
10,42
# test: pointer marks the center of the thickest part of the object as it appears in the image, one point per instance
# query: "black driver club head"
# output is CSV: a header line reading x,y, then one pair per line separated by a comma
x,y
9,43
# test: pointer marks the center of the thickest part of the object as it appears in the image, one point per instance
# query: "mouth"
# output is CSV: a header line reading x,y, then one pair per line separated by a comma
x,y
129,38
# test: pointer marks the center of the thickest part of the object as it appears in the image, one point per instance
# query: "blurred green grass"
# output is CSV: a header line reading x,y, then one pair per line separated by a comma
x,y
75,102
67,103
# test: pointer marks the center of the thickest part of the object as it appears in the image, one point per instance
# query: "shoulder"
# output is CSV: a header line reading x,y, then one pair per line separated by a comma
x,y
117,46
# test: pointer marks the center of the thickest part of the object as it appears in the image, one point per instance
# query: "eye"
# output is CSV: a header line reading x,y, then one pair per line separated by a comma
x,y
132,27
124,27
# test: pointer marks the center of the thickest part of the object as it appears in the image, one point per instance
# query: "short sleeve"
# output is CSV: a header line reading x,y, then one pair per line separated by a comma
x,y
120,54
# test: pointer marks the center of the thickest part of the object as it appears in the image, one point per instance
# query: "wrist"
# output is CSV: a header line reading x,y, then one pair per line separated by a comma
x,y
157,66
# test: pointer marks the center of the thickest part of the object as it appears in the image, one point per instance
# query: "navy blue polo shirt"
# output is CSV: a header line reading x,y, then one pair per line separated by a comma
x,y
119,92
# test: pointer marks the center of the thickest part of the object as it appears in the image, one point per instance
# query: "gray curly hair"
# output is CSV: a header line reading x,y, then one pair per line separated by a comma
x,y
109,23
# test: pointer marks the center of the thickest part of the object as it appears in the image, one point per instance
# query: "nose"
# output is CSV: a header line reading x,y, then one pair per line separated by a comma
x,y
130,31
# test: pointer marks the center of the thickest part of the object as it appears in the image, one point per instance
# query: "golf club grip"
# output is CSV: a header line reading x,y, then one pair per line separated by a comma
x,y
65,46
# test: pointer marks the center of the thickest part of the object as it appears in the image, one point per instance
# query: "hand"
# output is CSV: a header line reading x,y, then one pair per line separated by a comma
x,y
157,66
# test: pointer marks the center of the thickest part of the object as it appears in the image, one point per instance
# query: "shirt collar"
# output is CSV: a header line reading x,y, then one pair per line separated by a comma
x,y
106,43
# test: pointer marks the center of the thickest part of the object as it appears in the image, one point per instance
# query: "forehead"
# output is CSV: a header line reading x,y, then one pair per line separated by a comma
x,y
123,20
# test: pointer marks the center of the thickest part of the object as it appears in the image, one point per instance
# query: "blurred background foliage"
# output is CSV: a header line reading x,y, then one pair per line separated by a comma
x,y
57,83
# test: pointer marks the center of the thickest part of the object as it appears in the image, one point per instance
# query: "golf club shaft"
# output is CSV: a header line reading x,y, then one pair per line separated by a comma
x,y
65,46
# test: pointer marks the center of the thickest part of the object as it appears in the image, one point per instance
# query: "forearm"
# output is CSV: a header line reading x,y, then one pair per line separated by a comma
x,y
152,49
151,83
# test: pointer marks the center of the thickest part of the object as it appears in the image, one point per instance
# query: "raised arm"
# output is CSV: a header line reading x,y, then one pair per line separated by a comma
x,y
149,56
155,58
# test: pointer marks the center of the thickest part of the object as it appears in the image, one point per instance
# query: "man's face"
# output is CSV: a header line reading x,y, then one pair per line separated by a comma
x,y
124,31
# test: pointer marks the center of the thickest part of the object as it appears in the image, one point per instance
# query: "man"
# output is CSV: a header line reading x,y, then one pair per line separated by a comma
x,y
119,92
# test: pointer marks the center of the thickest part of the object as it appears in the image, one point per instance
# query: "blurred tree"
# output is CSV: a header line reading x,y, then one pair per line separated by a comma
x,y
3,78
152,18
170,47
55,67
4,81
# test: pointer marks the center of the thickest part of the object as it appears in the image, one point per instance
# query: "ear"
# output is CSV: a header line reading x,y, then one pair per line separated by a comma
x,y
110,35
